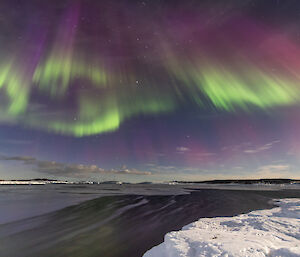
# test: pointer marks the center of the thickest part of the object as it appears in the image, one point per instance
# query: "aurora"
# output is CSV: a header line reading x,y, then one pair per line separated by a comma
x,y
198,90
104,93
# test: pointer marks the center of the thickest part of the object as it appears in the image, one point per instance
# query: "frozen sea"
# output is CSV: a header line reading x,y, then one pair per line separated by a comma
x,y
133,220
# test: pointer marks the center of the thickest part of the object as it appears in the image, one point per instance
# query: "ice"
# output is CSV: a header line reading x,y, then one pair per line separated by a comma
x,y
273,232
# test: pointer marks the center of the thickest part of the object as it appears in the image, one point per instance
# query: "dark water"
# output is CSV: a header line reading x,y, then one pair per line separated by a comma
x,y
123,225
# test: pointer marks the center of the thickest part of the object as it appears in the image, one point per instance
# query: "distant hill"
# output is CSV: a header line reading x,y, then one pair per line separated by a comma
x,y
36,181
245,181
26,180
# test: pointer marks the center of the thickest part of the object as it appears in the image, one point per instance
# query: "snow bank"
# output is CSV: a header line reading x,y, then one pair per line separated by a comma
x,y
274,232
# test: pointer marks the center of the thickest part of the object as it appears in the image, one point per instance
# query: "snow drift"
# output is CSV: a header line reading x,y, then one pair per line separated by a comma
x,y
273,232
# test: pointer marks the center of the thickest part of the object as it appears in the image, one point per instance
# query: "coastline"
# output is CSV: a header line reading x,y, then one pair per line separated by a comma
x,y
272,232
126,225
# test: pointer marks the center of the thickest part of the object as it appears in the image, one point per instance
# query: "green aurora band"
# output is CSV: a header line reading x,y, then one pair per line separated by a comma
x,y
99,108
104,103
98,115
236,90
16,88
76,79
57,74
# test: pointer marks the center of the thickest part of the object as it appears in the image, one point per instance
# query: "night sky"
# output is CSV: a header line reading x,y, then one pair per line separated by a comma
x,y
149,90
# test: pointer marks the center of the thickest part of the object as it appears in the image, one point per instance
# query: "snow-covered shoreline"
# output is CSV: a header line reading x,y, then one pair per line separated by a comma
x,y
32,182
273,232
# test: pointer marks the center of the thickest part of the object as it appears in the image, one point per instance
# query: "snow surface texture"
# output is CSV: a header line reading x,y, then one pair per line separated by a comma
x,y
274,232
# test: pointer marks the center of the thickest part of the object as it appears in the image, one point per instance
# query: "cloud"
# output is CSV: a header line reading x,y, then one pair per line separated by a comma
x,y
18,158
163,169
261,148
238,167
15,142
160,169
273,171
59,169
131,171
274,168
70,170
248,148
182,149
205,154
